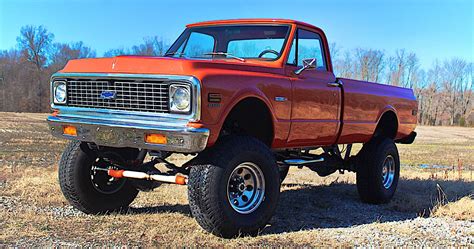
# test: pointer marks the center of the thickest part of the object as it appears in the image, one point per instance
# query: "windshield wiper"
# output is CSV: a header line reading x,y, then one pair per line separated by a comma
x,y
175,53
226,54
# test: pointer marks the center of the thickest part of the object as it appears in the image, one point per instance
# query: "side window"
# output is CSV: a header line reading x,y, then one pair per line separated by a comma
x,y
292,56
310,46
198,44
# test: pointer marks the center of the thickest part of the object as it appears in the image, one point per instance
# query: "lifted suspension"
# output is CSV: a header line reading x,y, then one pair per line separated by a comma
x,y
330,161
120,173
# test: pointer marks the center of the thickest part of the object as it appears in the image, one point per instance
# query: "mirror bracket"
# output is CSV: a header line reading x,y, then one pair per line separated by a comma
x,y
307,64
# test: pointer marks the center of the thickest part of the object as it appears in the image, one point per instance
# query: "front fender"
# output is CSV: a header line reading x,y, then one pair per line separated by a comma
x,y
232,87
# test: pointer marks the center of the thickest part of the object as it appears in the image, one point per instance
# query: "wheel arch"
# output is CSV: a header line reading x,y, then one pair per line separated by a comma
x,y
248,108
388,123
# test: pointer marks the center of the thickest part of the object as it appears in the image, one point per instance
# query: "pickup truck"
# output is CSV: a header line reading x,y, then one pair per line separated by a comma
x,y
248,98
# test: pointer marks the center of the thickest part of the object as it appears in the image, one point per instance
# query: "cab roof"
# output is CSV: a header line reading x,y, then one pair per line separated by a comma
x,y
252,21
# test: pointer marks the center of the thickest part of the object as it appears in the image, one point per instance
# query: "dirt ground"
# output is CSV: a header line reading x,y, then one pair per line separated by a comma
x,y
433,205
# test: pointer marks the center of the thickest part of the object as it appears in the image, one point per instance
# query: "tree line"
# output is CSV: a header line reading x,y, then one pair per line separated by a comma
x,y
444,91
25,71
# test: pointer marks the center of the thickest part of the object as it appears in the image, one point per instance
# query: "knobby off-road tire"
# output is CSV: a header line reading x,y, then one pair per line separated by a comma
x,y
78,187
378,170
211,187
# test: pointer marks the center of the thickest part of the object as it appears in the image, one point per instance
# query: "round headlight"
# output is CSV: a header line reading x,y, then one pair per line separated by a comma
x,y
60,93
180,98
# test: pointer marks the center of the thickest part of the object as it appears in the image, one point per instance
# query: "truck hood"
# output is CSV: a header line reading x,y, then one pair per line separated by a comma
x,y
164,65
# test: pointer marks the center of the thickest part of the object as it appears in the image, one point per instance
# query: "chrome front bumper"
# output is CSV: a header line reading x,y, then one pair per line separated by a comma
x,y
126,128
130,132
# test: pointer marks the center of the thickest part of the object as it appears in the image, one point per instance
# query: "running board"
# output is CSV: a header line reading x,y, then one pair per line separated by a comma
x,y
303,161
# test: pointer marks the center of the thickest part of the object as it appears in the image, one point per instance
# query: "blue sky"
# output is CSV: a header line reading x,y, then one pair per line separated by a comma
x,y
432,29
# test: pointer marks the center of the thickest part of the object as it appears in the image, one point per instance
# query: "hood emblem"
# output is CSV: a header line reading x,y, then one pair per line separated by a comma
x,y
108,95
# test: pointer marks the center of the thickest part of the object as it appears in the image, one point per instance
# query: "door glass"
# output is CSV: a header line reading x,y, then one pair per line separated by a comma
x,y
292,56
309,47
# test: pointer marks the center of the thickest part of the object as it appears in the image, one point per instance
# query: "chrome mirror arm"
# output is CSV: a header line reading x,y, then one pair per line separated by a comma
x,y
306,65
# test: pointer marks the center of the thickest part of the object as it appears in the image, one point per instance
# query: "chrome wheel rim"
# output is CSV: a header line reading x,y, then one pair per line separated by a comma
x,y
388,171
246,188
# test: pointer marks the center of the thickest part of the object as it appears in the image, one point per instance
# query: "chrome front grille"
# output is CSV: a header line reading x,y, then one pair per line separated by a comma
x,y
145,96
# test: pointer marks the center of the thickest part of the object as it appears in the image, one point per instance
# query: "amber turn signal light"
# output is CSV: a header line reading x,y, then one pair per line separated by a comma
x,y
195,125
155,138
69,130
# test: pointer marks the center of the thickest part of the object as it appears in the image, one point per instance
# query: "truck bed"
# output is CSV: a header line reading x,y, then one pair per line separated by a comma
x,y
364,103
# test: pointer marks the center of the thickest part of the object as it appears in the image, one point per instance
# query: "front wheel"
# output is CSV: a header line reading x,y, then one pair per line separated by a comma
x,y
378,170
235,189
93,191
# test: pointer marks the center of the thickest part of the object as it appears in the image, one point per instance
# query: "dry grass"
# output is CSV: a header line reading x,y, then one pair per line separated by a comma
x,y
440,145
312,210
463,209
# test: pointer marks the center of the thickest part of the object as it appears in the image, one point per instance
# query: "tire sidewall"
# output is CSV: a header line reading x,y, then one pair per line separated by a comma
x,y
270,196
82,172
222,159
80,162
369,172
387,148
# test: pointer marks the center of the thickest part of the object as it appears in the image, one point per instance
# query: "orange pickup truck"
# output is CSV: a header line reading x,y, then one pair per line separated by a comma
x,y
247,98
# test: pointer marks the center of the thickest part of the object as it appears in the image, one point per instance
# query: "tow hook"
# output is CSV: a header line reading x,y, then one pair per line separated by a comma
x,y
177,179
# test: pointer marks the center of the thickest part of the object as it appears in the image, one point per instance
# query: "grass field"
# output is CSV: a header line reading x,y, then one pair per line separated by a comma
x,y
432,206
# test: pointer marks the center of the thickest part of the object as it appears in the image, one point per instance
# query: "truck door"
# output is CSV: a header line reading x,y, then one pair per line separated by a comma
x,y
315,116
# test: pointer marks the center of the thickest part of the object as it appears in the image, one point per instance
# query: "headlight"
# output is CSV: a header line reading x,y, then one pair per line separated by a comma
x,y
59,91
180,98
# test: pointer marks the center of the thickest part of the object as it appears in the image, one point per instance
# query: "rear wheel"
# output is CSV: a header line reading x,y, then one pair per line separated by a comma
x,y
236,188
94,191
378,171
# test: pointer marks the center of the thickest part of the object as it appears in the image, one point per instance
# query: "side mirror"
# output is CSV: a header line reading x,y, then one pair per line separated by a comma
x,y
307,64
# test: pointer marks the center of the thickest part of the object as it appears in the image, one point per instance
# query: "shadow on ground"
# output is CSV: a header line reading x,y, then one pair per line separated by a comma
x,y
305,207
177,208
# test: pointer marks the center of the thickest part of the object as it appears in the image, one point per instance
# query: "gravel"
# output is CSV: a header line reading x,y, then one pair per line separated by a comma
x,y
378,226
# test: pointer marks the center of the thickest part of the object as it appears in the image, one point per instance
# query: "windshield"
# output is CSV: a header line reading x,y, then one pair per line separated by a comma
x,y
264,42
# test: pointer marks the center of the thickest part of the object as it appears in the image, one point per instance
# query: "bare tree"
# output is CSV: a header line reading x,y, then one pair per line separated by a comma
x,y
369,64
466,92
34,42
152,46
116,52
62,53
429,100
397,66
334,51
344,66
16,74
458,86
411,69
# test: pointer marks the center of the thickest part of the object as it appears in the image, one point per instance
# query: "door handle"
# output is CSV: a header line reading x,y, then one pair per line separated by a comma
x,y
334,84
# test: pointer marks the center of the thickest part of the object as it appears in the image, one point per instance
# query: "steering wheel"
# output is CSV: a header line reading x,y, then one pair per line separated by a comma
x,y
266,51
